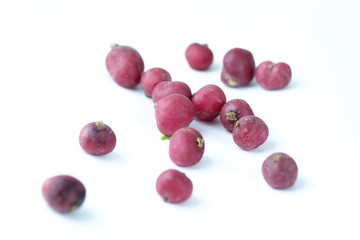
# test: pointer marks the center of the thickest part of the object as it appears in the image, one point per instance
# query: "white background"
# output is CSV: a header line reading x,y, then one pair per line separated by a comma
x,y
54,81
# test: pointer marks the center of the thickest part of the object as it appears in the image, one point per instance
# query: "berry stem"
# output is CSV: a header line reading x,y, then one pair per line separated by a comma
x,y
113,45
200,142
165,137
100,125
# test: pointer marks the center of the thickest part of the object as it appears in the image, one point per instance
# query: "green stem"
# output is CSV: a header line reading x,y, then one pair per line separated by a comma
x,y
165,137
100,125
200,142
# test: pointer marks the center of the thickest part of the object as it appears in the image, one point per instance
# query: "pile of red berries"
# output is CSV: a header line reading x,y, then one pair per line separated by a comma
x,y
175,108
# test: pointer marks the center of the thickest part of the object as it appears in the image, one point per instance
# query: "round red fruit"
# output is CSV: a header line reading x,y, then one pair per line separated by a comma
x,y
250,132
125,65
174,186
97,138
199,56
280,170
63,193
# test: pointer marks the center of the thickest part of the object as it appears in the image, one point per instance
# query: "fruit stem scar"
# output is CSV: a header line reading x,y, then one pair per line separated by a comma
x,y
112,45
231,116
277,158
100,125
200,142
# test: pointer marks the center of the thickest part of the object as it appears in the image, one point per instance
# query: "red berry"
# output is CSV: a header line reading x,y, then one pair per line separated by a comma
x,y
174,186
250,132
164,89
186,147
125,65
280,170
173,112
97,138
208,102
238,67
63,193
199,56
151,78
272,76
232,111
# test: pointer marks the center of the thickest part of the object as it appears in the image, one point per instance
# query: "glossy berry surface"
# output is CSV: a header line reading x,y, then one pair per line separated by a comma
x,y
186,147
97,138
173,112
280,170
232,111
199,56
273,76
164,89
63,193
151,78
250,132
208,102
174,186
125,65
238,67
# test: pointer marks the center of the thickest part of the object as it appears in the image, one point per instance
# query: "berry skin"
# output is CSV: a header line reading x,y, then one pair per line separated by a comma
x,y
164,89
208,102
280,170
174,186
238,67
173,112
151,78
273,76
232,111
250,132
199,56
97,138
63,193
125,65
186,147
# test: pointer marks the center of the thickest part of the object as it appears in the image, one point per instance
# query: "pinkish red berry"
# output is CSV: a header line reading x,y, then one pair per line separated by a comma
x,y
63,193
151,78
125,65
167,88
186,147
97,138
173,112
250,132
199,56
273,76
174,186
280,170
208,102
238,67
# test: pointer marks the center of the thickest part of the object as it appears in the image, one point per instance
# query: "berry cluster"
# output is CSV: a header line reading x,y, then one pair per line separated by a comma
x,y
175,108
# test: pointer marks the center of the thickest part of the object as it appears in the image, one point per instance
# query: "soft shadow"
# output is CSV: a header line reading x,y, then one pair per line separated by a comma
x,y
204,163
300,183
113,156
191,202
81,214
265,147
214,67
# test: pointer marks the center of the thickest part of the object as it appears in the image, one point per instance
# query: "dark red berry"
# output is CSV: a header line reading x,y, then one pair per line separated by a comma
x,y
232,111
97,138
280,170
63,193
